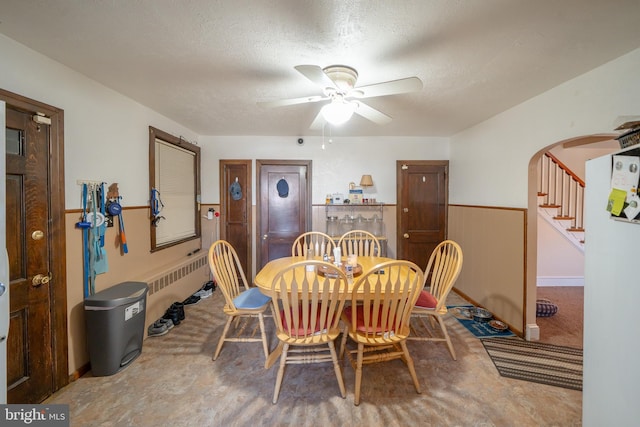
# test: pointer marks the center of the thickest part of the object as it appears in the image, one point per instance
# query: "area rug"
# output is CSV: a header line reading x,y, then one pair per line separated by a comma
x,y
536,362
478,329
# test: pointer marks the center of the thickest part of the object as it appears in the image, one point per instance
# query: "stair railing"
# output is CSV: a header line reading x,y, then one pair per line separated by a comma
x,y
562,189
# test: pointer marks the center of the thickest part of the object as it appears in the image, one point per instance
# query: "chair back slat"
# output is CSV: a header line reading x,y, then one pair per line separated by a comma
x,y
360,243
443,270
387,293
227,270
308,304
319,243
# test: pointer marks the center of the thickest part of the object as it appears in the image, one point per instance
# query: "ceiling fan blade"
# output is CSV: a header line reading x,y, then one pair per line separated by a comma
x,y
410,84
318,122
372,114
316,75
292,101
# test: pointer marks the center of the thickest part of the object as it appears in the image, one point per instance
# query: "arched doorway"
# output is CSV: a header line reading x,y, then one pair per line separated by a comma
x,y
580,149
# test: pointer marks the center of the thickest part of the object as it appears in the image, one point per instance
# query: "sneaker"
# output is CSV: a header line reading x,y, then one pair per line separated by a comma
x,y
206,290
167,322
172,314
157,329
180,307
193,299
204,293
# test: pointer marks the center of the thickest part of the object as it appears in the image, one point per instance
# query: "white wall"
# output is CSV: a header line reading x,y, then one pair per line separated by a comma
x,y
588,104
559,261
343,161
106,134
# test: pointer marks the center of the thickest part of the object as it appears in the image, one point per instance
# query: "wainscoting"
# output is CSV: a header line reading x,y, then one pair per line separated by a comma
x,y
494,270
172,274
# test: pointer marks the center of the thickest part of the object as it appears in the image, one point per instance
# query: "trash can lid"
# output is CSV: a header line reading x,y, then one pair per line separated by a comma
x,y
120,294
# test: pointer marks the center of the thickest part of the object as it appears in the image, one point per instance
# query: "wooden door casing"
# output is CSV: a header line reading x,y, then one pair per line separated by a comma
x,y
235,221
281,219
422,208
37,349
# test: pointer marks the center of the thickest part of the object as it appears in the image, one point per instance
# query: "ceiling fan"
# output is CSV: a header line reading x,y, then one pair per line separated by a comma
x,y
338,83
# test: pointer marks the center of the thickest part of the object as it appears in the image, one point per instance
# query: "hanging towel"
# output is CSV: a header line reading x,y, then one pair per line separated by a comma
x,y
99,253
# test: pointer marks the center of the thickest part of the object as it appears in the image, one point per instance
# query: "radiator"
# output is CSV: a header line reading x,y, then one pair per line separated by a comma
x,y
194,269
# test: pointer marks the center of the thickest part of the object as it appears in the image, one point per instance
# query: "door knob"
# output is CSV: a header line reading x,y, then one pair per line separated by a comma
x,y
3,289
405,210
40,279
264,237
405,235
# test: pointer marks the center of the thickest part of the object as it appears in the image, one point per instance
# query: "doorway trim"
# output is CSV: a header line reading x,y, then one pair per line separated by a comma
x,y
531,329
225,199
57,238
259,164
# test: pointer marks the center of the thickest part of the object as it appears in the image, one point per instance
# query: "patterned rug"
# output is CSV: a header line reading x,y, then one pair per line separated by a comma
x,y
537,362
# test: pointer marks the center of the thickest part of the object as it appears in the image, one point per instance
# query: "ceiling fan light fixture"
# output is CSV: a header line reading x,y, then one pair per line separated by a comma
x,y
338,111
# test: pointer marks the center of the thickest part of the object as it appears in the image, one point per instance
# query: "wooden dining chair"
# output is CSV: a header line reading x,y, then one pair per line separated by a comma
x,y
360,243
241,301
306,311
319,242
440,275
378,318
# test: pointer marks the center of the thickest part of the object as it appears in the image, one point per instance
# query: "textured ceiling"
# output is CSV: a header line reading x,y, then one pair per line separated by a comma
x,y
205,63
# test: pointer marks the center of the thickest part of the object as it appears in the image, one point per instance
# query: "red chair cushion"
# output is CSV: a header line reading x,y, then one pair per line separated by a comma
x,y
301,330
360,325
426,300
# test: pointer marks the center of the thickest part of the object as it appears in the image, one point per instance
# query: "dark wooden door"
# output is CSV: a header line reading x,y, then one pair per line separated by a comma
x,y
422,208
282,219
235,222
29,349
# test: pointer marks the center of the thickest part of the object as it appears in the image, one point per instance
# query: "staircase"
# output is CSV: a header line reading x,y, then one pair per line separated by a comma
x,y
561,199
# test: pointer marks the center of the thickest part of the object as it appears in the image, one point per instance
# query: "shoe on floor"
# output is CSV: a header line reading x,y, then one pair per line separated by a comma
x,y
207,290
203,293
167,322
193,299
157,329
172,314
180,308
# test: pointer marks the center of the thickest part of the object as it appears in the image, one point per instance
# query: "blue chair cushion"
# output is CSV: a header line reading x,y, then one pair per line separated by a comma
x,y
251,299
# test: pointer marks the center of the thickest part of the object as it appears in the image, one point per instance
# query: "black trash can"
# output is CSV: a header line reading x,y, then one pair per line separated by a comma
x,y
115,321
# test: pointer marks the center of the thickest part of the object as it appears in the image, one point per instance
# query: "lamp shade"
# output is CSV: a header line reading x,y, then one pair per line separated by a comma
x,y
338,111
366,181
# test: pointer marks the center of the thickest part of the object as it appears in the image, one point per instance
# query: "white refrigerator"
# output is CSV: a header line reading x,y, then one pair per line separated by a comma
x,y
611,306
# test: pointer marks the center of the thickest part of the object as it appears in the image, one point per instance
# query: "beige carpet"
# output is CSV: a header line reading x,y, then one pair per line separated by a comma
x,y
566,326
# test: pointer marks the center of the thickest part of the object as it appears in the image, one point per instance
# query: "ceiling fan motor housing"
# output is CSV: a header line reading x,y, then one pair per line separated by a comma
x,y
344,77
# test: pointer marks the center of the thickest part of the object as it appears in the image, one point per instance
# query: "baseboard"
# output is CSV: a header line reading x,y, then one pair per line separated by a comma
x,y
532,332
80,372
560,281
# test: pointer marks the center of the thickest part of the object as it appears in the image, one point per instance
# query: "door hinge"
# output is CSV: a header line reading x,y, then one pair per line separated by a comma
x,y
404,167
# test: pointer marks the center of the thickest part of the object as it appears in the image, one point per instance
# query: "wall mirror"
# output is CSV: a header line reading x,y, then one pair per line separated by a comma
x,y
174,180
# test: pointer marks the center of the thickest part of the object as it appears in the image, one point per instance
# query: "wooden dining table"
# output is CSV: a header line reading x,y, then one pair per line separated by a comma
x,y
265,276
